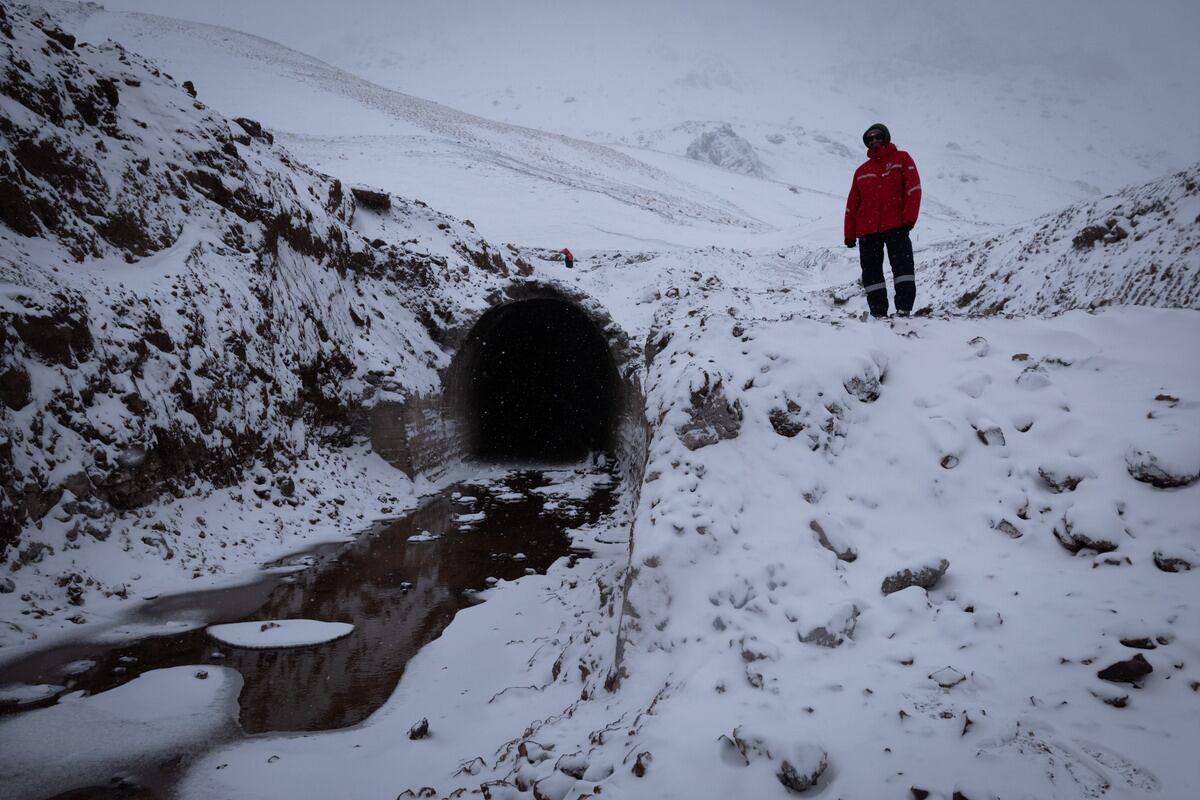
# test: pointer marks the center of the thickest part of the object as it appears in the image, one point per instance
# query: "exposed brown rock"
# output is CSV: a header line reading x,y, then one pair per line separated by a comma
x,y
787,421
372,199
1171,563
1109,233
864,387
14,386
1131,671
1059,482
55,34
61,337
1144,643
255,129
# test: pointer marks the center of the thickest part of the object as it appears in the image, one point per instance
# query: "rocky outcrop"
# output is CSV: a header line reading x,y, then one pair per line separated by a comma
x,y
723,147
1135,247
245,344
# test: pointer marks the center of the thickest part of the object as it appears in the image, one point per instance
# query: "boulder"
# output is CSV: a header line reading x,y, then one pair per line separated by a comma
x,y
1060,478
712,417
1131,671
834,632
255,129
787,421
844,553
371,198
15,387
803,769
864,387
1159,471
1075,537
1171,563
926,576
420,730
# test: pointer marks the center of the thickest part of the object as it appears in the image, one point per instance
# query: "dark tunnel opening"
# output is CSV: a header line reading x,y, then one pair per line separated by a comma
x,y
539,384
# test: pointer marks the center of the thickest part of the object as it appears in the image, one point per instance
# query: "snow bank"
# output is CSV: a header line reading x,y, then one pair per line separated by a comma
x,y
155,716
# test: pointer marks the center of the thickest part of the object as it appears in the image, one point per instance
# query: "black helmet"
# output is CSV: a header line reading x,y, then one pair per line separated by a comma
x,y
878,126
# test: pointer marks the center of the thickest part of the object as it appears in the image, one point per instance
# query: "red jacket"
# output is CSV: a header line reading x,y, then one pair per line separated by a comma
x,y
885,194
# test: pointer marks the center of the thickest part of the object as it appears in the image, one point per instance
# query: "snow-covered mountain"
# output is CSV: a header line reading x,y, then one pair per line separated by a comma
x,y
1011,110
1033,131
931,556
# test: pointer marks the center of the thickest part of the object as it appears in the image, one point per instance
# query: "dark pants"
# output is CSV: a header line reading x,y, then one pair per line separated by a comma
x,y
900,255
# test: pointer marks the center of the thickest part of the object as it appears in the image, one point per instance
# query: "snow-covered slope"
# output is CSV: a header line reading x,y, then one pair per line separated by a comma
x,y
465,164
182,301
758,640
1139,246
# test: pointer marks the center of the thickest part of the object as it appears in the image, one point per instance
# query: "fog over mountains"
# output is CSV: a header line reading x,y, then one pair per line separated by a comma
x,y
1044,106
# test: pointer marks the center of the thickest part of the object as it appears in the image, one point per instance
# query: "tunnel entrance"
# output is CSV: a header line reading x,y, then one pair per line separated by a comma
x,y
537,382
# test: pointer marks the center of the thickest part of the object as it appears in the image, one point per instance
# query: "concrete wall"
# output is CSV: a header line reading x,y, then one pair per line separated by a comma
x,y
418,436
427,434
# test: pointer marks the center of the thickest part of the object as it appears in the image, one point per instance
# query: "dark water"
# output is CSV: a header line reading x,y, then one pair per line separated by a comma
x,y
399,595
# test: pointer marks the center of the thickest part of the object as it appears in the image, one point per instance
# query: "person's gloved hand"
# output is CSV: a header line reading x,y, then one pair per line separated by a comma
x,y
908,226
849,243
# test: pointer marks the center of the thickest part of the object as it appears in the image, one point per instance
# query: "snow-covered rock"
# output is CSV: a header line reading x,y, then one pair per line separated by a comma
x,y
723,147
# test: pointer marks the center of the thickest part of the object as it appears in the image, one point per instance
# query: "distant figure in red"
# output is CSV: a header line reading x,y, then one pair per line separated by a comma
x,y
882,208
570,259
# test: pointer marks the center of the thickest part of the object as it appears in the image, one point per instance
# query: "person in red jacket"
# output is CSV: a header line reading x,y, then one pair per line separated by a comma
x,y
569,257
882,208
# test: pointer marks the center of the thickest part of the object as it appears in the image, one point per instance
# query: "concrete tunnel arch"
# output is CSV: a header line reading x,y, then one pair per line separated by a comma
x,y
535,379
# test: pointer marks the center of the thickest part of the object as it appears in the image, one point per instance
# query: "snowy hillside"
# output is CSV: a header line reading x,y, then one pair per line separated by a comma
x,y
468,165
949,556
183,302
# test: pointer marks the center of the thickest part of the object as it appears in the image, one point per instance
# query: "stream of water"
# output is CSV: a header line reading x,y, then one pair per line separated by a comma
x,y
398,594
